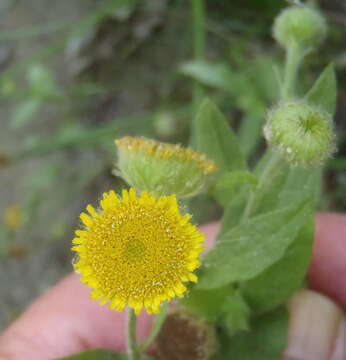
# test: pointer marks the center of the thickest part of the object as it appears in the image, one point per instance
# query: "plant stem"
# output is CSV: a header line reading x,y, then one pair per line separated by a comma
x,y
133,350
198,16
198,20
293,59
255,195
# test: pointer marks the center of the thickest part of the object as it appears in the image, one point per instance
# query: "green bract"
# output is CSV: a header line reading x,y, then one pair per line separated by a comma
x,y
303,133
300,24
161,168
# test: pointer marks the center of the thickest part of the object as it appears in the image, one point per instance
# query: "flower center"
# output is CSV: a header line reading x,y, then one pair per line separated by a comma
x,y
134,250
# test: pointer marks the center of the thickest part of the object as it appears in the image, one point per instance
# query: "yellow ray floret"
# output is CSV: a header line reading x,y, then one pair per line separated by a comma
x,y
137,250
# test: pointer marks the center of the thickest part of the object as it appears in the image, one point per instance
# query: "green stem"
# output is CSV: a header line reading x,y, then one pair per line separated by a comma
x,y
198,19
255,196
132,346
293,60
294,56
198,16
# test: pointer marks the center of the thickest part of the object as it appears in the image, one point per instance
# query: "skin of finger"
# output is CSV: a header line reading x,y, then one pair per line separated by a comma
x,y
64,321
328,268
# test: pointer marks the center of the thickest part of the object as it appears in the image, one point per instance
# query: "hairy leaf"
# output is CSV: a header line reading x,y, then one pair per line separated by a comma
x,y
248,249
324,92
265,341
228,184
275,285
215,138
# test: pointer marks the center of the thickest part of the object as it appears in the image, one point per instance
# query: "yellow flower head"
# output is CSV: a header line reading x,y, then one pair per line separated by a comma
x,y
137,250
13,217
163,168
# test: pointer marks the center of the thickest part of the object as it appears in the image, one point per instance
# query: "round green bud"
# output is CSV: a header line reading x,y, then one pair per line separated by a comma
x,y
303,133
162,168
300,24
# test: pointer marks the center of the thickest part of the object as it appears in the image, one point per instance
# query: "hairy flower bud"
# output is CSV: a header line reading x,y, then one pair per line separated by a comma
x,y
303,133
300,24
162,168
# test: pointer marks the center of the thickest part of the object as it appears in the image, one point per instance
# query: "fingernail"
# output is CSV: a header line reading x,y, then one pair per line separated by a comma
x,y
314,322
339,349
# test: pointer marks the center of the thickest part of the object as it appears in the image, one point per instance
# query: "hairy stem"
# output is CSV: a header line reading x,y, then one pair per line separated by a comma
x,y
255,196
198,20
133,350
293,60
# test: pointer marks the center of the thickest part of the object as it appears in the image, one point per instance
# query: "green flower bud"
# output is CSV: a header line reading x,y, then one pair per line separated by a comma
x,y
162,168
184,336
300,24
303,133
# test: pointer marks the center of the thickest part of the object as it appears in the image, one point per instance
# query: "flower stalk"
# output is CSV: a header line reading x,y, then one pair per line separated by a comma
x,y
133,349
294,56
293,60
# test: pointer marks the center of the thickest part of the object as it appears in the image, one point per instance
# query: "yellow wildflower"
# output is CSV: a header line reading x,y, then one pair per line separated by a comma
x,y
137,250
13,217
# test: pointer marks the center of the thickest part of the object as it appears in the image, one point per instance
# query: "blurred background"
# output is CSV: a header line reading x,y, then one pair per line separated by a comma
x,y
76,74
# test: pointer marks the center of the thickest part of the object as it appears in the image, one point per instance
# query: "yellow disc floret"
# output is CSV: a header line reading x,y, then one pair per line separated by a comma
x,y
137,250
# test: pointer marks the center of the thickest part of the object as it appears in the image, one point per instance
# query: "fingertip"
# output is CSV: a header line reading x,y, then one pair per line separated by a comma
x,y
65,321
328,266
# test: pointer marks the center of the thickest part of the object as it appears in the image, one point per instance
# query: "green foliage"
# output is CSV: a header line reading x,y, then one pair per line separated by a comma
x,y
228,184
215,75
250,87
265,340
286,184
25,112
276,284
41,82
215,139
251,247
224,305
207,303
236,314
324,92
100,354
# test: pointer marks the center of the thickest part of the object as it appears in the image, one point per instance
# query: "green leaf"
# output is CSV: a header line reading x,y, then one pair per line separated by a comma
x,y
98,354
236,314
277,283
208,304
265,341
41,82
215,75
215,138
286,185
300,182
25,112
224,305
228,184
324,92
248,249
274,183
